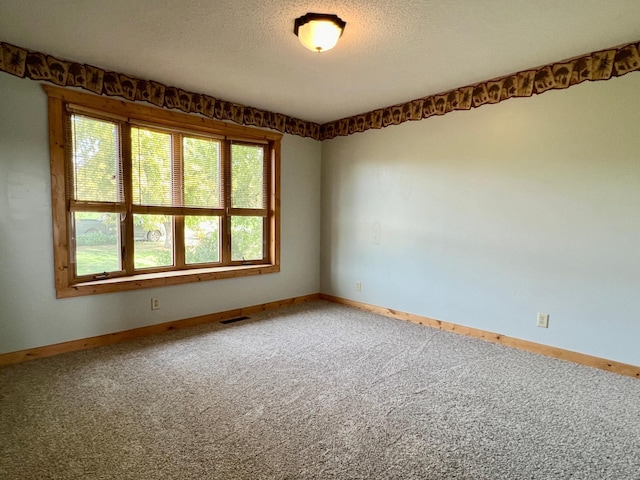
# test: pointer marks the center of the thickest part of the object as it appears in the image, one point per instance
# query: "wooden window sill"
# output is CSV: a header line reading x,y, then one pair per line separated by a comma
x,y
161,279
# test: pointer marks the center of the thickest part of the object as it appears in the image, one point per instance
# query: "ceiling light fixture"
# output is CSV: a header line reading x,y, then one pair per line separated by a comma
x,y
319,32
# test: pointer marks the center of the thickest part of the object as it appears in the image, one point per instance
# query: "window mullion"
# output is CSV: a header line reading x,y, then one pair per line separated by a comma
x,y
226,196
82,206
248,212
126,219
178,198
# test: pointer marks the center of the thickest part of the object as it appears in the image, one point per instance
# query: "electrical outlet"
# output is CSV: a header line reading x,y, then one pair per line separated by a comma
x,y
155,304
358,286
543,320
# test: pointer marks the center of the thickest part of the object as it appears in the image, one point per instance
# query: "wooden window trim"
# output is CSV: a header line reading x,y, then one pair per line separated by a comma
x,y
58,99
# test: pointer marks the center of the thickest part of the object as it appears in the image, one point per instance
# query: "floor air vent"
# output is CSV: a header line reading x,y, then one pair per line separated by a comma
x,y
234,320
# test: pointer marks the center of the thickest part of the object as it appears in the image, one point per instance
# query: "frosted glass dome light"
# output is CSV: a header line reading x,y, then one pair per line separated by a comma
x,y
319,32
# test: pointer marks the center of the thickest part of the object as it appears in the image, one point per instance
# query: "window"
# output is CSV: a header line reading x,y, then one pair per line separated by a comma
x,y
145,197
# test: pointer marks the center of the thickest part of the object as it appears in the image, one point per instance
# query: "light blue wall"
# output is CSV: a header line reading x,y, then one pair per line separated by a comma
x,y
30,315
481,218
485,217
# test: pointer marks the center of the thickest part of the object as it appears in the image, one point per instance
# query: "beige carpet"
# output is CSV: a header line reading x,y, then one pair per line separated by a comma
x,y
315,391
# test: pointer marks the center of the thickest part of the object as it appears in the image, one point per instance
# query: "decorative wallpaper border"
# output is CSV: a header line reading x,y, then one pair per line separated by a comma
x,y
600,65
25,63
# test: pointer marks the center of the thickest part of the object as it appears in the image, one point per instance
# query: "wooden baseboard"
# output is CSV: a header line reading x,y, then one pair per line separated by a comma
x,y
575,357
110,338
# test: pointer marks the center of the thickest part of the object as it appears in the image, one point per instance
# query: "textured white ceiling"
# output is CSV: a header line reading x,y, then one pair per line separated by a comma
x,y
245,51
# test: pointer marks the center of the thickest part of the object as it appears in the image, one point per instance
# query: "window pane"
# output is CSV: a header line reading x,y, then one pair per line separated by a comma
x,y
247,176
97,243
247,238
151,167
202,239
95,160
201,172
153,246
